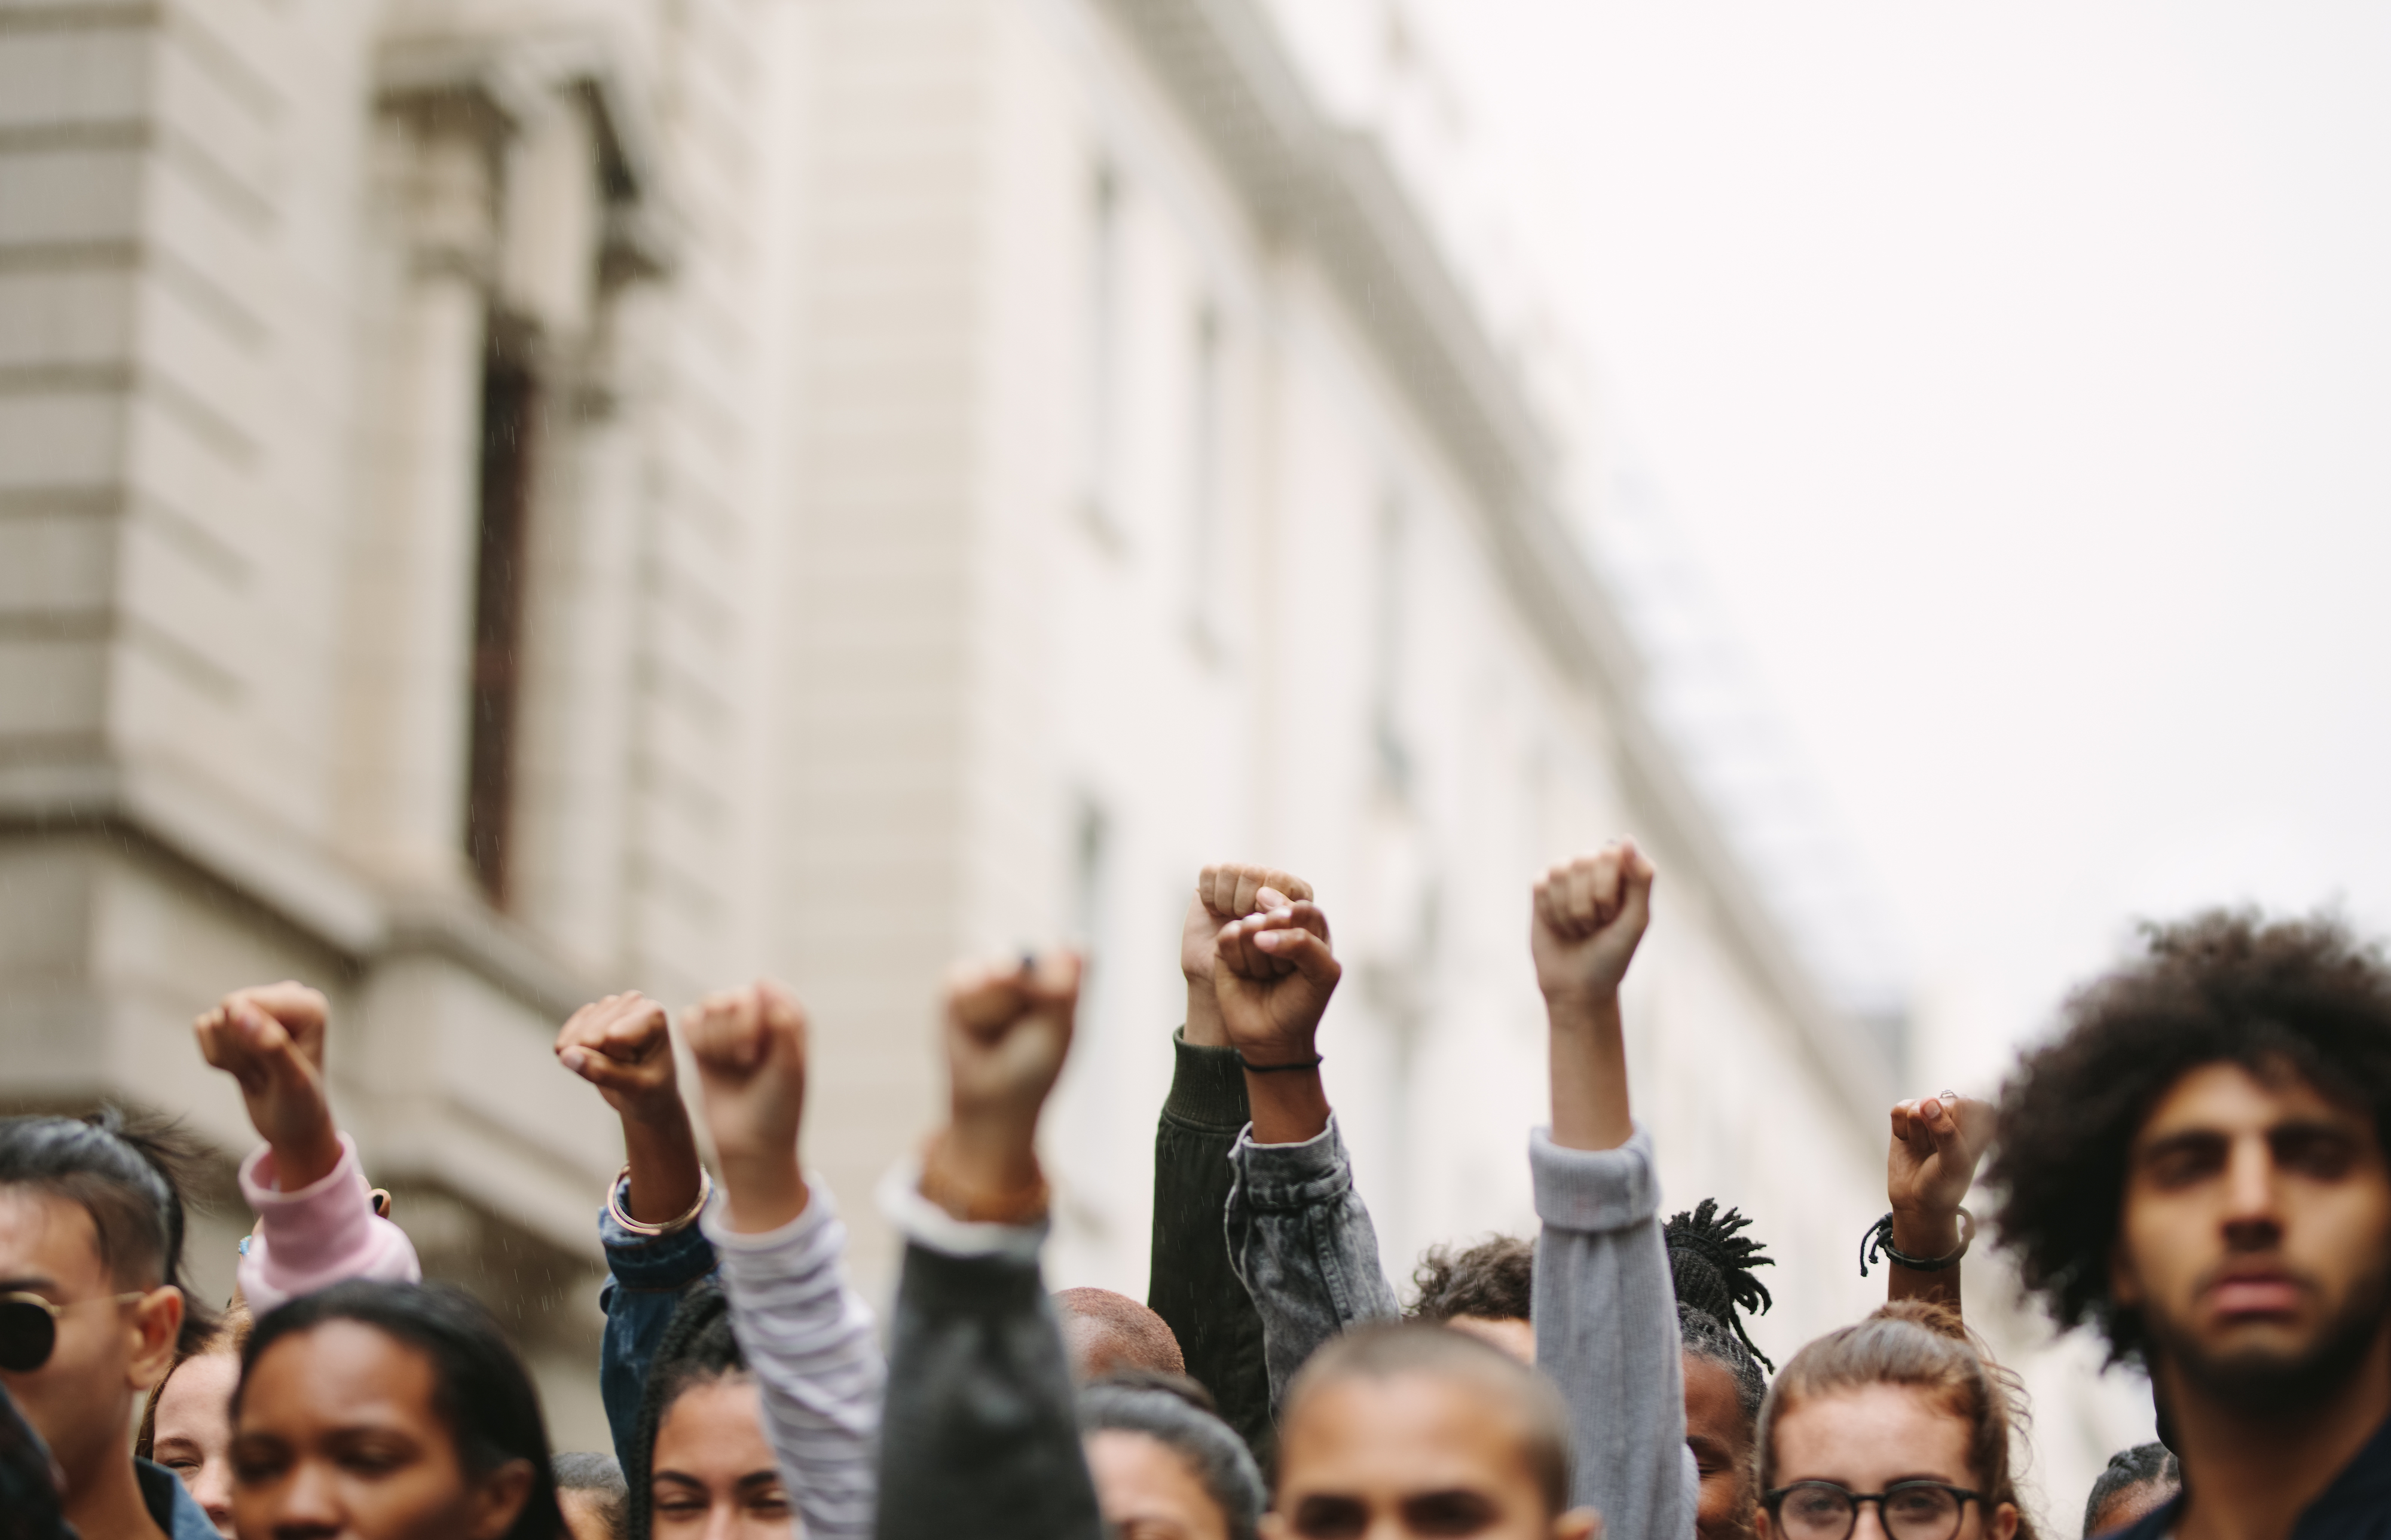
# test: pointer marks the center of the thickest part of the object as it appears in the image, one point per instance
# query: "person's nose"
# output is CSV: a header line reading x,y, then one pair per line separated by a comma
x,y
1869,1523
212,1491
2252,1219
307,1506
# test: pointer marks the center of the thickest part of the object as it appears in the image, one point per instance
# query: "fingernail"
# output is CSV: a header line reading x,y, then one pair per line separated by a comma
x,y
574,1059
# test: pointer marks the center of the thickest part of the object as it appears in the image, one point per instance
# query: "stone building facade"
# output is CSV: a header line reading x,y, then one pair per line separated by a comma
x,y
503,500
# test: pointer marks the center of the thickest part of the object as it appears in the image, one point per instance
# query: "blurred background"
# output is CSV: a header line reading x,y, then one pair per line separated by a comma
x,y
507,500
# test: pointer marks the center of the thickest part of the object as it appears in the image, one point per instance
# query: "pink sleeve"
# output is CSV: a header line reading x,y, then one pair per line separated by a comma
x,y
322,1233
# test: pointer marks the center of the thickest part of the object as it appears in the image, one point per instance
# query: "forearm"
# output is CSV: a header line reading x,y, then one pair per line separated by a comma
x,y
1589,1073
1925,1234
648,1276
1606,1320
1303,1245
662,1152
1194,1283
979,1420
809,1340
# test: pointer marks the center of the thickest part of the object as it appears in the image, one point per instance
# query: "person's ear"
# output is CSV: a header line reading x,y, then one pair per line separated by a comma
x,y
1272,1527
1760,1523
157,1324
499,1500
2005,1523
1578,1523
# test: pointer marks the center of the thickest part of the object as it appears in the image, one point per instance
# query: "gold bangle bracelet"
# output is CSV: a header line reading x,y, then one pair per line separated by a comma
x,y
670,1226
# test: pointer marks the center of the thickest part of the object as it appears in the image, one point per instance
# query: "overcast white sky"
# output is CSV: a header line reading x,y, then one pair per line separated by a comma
x,y
2022,375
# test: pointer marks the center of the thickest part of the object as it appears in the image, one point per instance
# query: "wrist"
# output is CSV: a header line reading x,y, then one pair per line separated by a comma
x,y
763,1192
1926,1232
991,1151
1288,1107
657,1113
1572,1006
1204,1028
304,1157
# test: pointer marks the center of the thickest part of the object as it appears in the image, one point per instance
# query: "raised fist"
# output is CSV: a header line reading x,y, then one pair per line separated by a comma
x,y
270,1039
750,1049
1008,1032
1222,893
1936,1143
1589,914
1273,974
623,1045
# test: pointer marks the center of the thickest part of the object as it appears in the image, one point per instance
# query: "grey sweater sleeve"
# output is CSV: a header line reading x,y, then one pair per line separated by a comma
x,y
1606,1319
1302,1242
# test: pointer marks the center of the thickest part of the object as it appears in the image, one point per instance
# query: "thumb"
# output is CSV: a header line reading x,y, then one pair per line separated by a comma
x,y
1635,886
270,1041
597,1069
1949,1142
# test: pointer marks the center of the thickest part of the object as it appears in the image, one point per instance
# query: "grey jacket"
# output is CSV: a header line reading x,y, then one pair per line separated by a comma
x,y
1605,1311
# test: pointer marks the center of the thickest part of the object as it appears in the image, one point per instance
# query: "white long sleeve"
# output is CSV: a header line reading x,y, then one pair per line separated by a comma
x,y
809,1341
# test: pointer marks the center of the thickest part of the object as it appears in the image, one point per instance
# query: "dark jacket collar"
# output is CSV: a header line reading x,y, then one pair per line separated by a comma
x,y
2357,1506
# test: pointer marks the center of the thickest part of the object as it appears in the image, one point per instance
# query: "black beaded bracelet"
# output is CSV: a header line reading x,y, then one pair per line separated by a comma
x,y
1878,1240
1312,1063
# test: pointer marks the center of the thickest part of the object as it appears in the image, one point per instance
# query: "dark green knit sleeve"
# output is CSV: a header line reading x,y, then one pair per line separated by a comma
x,y
1192,1285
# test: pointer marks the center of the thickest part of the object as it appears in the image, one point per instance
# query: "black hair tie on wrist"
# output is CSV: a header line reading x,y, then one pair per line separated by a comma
x,y
1879,1239
1312,1063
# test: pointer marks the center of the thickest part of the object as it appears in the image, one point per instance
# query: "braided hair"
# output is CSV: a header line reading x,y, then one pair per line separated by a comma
x,y
1710,1263
697,1348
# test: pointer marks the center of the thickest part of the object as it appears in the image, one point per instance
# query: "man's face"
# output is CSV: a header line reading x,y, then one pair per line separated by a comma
x,y
81,1400
2255,1237
1413,1455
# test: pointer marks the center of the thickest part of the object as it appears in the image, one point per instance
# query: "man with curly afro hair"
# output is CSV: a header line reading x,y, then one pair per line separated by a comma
x,y
2196,1167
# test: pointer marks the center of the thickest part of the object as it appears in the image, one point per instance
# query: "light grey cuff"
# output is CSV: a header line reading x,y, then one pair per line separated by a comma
x,y
1594,1190
925,1223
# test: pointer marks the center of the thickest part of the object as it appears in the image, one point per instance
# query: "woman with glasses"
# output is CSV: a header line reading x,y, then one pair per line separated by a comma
x,y
1895,1428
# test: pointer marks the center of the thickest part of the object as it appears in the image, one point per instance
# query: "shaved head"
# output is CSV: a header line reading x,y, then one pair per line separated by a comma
x,y
1105,1331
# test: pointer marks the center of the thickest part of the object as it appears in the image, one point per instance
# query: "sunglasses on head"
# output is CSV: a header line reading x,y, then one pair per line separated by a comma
x,y
29,1326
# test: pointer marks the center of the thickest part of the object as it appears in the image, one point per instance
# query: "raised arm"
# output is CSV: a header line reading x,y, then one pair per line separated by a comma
x,y
1193,1282
317,1222
1937,1142
1299,1233
622,1045
979,1431
807,1335
1604,1309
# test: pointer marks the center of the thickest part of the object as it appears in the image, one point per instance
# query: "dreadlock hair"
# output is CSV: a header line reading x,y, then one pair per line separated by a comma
x,y
697,1349
128,1172
1710,1263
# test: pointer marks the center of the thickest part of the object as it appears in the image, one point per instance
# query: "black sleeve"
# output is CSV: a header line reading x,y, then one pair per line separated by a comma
x,y
979,1433
1191,1285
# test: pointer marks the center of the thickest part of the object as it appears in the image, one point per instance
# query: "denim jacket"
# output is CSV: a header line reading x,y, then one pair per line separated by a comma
x,y
647,1276
1604,1308
1303,1245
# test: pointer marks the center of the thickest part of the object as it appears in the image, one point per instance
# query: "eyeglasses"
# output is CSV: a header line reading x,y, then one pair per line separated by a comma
x,y
28,1327
1909,1510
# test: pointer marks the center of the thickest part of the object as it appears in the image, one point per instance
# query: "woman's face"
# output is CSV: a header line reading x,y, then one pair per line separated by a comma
x,y
337,1436
715,1478
1719,1436
1146,1491
1868,1437
194,1430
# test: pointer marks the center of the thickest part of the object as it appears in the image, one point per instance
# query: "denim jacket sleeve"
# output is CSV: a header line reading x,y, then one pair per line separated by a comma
x,y
1304,1247
980,1434
1193,1286
646,1278
1606,1319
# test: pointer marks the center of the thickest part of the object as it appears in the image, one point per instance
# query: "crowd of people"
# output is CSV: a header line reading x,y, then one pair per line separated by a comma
x,y
2193,1167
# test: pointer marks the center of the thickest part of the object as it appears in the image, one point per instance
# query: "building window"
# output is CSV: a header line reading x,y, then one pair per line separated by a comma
x,y
510,447
1204,478
1102,414
1389,620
